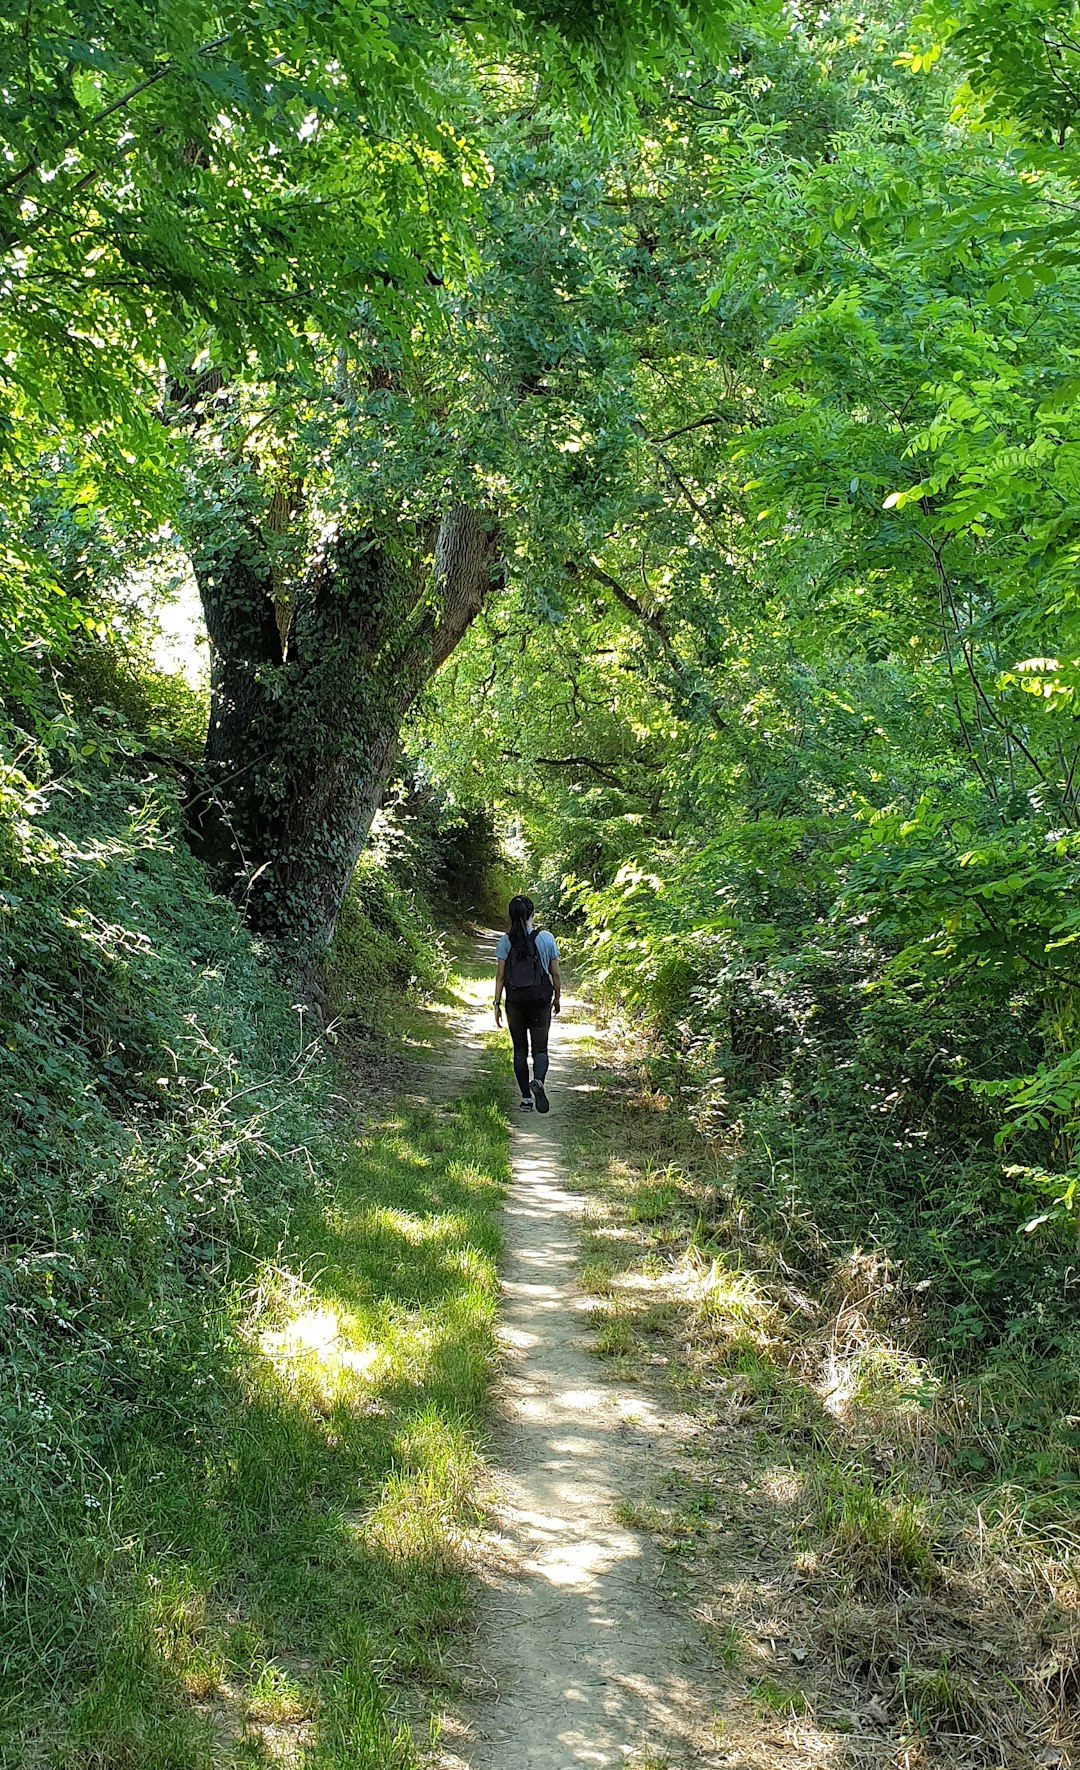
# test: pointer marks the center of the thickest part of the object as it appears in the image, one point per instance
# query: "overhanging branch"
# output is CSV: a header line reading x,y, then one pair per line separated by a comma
x,y
653,620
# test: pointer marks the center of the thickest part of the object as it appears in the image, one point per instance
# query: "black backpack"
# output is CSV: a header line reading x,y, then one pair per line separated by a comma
x,y
527,983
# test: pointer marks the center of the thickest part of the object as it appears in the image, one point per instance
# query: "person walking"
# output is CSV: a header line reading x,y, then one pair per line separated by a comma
x,y
528,970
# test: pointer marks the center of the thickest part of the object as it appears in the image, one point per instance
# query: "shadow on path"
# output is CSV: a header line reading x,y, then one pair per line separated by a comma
x,y
585,1664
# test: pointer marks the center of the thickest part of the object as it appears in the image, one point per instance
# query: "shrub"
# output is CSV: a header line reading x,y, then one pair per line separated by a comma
x,y
160,1119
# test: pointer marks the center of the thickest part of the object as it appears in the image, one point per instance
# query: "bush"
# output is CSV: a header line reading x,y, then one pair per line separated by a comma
x,y
117,678
422,853
384,943
161,1117
841,1081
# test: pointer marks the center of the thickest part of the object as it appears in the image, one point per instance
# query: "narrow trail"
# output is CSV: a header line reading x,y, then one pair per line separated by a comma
x,y
581,1662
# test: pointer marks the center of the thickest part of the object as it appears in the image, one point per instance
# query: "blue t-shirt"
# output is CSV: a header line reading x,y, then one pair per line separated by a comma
x,y
546,950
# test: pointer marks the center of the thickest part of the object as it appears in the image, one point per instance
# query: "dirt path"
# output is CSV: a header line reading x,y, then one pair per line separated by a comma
x,y
582,1664
889,1643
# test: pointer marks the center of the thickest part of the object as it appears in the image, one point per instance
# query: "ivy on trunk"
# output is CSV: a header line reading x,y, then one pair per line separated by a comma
x,y
307,701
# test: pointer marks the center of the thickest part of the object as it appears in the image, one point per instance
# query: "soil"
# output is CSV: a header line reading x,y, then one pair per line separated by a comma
x,y
581,1661
602,1644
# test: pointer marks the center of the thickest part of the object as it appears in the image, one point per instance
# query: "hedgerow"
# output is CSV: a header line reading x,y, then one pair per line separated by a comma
x,y
163,1112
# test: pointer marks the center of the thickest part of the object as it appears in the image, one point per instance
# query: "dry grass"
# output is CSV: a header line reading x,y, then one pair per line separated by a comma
x,y
870,1600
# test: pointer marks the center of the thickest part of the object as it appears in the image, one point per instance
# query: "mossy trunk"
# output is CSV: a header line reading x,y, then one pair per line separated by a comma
x,y
304,724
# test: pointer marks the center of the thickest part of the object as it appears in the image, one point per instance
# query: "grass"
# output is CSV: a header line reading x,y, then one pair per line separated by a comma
x,y
940,1700
726,1641
613,1328
597,1275
266,1557
307,1567
879,1540
859,1566
772,1698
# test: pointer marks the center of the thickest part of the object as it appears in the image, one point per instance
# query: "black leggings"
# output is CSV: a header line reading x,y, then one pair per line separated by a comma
x,y
529,1021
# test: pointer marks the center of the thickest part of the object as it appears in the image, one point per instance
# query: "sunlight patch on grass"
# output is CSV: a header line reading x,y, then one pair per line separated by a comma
x,y
727,1298
286,1578
614,1324
315,1346
275,1696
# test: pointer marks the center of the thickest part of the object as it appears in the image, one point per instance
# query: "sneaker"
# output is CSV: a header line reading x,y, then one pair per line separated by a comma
x,y
525,1106
543,1104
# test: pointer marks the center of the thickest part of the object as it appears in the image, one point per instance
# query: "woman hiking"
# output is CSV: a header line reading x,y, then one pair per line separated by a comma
x,y
528,970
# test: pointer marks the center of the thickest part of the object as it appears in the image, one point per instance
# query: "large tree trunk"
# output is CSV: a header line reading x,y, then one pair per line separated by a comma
x,y
304,733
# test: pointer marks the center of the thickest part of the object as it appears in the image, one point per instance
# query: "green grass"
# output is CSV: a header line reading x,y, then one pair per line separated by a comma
x,y
246,1352
303,1564
727,1641
770,1697
941,1699
654,1197
880,1541
613,1325
596,1275
849,1508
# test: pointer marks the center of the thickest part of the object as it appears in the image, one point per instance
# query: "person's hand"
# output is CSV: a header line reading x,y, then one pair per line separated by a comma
x,y
556,1006
498,1014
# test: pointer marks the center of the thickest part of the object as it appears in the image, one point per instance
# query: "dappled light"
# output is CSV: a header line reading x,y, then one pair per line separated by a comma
x,y
586,1668
539,863
853,1596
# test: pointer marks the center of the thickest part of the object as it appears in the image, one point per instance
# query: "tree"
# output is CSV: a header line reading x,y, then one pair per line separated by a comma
x,y
344,536
170,175
830,597
306,709
218,205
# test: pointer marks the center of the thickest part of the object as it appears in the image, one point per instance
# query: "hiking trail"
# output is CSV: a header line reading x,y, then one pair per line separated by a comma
x,y
579,1661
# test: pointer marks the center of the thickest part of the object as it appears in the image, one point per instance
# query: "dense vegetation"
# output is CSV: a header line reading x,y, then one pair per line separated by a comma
x,y
649,432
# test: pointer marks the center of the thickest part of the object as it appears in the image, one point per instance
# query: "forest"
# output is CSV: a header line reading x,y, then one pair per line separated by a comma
x,y
622,450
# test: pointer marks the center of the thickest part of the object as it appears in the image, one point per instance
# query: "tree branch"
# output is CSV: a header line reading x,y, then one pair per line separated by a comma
x,y
466,557
607,775
651,619
698,424
118,104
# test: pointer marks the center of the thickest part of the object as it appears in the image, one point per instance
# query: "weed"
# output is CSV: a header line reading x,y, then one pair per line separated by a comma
x,y
727,1641
614,1325
733,1300
276,1697
941,1700
878,1541
639,1514
653,1198
597,1275
773,1698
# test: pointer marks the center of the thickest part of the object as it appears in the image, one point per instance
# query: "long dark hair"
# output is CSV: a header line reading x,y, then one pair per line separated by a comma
x,y
521,909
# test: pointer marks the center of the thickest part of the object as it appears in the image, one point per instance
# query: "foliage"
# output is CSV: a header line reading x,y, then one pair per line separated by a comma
x,y
286,1580
193,195
426,860
754,366
799,753
157,1107
167,1177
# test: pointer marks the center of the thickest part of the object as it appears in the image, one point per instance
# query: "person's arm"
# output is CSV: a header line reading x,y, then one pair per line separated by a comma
x,y
499,973
556,978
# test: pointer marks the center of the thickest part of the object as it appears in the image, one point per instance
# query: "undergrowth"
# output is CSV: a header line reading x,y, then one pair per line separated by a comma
x,y
246,1353
425,863
879,1536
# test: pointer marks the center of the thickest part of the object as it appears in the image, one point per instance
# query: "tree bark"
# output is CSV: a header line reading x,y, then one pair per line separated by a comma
x,y
304,734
